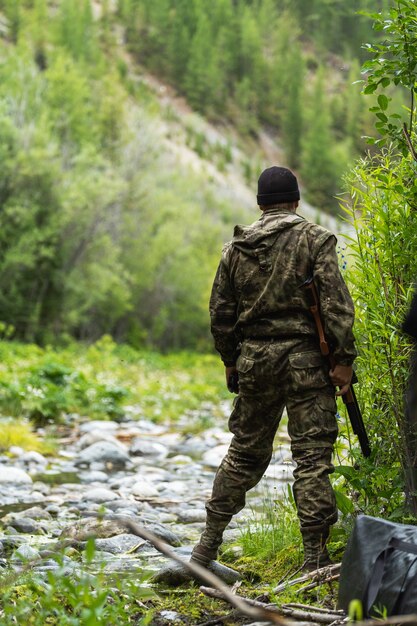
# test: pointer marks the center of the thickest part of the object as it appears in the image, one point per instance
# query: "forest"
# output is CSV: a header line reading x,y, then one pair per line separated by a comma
x,y
132,134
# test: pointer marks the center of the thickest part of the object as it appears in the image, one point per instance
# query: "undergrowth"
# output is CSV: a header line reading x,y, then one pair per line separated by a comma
x,y
107,381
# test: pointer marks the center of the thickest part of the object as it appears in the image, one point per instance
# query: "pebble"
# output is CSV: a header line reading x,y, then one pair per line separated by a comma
x,y
14,476
103,452
158,477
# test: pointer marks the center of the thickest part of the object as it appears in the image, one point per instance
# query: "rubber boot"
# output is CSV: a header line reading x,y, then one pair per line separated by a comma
x,y
315,549
207,548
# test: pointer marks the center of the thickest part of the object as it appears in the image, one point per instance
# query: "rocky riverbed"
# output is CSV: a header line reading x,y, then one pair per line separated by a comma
x,y
156,474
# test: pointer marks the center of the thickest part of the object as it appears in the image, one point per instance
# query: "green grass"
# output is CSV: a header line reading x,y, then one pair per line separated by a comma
x,y
100,380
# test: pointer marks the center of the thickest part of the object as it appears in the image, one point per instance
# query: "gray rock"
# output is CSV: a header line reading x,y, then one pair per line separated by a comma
x,y
174,574
93,437
25,525
122,503
102,452
190,516
36,512
146,448
33,458
213,457
14,476
120,544
53,509
94,476
16,450
99,425
143,489
163,533
100,495
25,552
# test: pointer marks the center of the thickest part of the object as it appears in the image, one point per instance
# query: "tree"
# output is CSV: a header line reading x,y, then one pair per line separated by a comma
x,y
318,168
292,118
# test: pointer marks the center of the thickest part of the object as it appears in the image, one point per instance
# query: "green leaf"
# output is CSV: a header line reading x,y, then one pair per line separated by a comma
x,y
371,88
383,102
344,504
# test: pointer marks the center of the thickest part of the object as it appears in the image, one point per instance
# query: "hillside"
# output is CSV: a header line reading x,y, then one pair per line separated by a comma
x,y
115,179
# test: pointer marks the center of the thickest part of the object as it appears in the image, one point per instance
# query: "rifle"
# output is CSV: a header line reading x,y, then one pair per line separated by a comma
x,y
349,398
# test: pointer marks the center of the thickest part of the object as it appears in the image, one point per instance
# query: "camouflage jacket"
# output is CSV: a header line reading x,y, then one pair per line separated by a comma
x,y
257,289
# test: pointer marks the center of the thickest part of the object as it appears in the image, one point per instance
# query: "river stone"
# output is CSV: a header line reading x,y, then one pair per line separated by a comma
x,y
16,450
163,533
93,527
190,516
120,544
36,512
94,476
143,447
123,503
104,452
179,487
100,495
174,574
93,437
14,476
144,490
213,457
24,525
33,457
25,553
101,425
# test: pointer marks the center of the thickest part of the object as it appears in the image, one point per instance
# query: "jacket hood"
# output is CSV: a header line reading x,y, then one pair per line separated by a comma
x,y
262,234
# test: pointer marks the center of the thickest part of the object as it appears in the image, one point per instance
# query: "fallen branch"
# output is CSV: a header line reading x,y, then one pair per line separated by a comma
x,y
317,583
310,615
318,609
319,574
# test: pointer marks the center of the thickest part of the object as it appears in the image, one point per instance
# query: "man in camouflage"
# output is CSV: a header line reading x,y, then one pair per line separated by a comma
x,y
266,335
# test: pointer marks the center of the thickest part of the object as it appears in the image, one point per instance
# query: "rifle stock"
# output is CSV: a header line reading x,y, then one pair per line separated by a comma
x,y
349,398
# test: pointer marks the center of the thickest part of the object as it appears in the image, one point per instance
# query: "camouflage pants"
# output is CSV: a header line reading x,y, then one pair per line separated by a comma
x,y
274,375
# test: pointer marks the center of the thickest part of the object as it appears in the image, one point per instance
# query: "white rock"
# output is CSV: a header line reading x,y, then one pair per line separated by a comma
x,y
214,456
14,475
104,452
100,494
34,457
25,553
16,450
93,437
101,425
144,490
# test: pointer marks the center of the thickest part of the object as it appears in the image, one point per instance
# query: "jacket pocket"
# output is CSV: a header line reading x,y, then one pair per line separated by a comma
x,y
244,364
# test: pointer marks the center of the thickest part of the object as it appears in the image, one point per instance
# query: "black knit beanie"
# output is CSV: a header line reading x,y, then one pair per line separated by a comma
x,y
277,185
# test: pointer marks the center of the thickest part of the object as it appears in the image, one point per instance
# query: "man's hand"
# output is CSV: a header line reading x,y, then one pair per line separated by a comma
x,y
341,376
232,379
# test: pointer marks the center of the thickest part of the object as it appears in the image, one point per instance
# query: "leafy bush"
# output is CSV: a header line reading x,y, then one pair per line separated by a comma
x,y
101,380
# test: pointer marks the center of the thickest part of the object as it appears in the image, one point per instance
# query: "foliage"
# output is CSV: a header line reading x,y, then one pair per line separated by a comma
x,y
249,61
83,250
103,380
393,62
381,206
77,598
18,432
272,530
382,274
